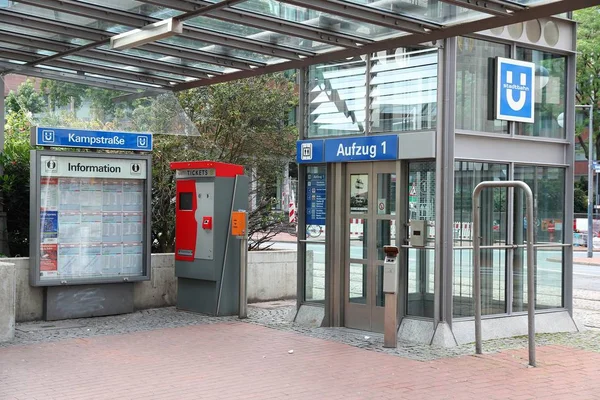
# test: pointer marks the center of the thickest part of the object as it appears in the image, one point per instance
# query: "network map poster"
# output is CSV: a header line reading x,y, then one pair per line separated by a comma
x,y
92,217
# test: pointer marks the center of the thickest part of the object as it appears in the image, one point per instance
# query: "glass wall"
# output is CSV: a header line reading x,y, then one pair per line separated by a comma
x,y
548,187
315,214
550,89
474,88
336,98
493,232
403,90
421,262
401,87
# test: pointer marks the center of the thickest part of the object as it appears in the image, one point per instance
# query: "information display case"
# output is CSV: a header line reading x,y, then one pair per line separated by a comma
x,y
90,218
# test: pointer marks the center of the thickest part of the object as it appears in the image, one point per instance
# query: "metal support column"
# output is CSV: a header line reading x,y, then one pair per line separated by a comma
x,y
3,232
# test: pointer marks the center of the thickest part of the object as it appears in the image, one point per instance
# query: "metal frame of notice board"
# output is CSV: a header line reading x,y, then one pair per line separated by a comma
x,y
102,165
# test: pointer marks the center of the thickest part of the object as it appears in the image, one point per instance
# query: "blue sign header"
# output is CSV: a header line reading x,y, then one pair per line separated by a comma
x,y
65,137
363,148
515,89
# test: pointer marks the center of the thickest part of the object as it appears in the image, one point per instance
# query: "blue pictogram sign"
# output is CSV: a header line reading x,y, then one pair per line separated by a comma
x,y
515,88
64,137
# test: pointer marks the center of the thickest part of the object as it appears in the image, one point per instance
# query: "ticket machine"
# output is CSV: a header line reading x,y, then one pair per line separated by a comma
x,y
207,256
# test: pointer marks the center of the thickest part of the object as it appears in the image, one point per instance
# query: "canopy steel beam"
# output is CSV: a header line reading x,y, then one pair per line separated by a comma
x,y
531,13
267,23
147,63
92,11
136,20
81,67
215,38
367,14
74,78
53,45
200,56
500,9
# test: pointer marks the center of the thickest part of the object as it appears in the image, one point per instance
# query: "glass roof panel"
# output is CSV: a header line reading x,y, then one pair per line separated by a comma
x,y
260,35
126,68
32,50
427,10
220,50
314,18
172,60
43,35
136,7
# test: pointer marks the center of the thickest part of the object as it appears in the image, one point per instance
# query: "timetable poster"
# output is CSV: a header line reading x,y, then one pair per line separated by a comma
x,y
91,227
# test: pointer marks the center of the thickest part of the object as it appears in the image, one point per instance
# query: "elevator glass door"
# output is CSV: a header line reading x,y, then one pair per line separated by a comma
x,y
371,211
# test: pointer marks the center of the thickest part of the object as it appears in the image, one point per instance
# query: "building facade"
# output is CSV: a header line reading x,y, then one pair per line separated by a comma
x,y
437,103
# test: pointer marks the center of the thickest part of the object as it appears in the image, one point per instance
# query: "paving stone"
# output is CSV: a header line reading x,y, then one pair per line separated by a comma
x,y
277,316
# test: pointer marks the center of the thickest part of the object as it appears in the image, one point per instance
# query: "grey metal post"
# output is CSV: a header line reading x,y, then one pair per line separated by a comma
x,y
590,241
530,262
3,232
243,273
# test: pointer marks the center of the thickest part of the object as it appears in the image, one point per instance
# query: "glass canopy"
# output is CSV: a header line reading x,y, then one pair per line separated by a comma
x,y
231,39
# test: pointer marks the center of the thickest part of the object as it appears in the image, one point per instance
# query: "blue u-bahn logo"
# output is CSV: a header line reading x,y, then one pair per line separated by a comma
x,y
515,90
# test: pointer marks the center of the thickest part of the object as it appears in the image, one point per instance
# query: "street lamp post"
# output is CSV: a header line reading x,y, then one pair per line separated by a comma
x,y
590,238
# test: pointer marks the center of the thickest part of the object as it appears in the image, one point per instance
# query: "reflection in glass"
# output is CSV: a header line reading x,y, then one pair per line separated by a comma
x,y
550,89
337,95
474,59
359,193
548,279
386,236
358,239
386,194
421,197
314,275
493,282
404,90
379,294
493,202
358,284
421,272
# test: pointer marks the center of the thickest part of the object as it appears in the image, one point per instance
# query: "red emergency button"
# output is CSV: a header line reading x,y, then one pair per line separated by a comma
x,y
207,223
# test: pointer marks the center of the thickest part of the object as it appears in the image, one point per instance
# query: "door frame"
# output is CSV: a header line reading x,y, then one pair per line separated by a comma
x,y
369,316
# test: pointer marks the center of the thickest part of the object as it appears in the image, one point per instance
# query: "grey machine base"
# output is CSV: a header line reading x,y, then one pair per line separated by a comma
x,y
201,296
65,302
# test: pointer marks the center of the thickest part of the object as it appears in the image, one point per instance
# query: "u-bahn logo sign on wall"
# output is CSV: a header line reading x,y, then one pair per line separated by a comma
x,y
515,90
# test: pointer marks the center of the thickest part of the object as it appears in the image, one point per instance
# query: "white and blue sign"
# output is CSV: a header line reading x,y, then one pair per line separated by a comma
x,y
64,137
316,199
515,88
309,151
365,148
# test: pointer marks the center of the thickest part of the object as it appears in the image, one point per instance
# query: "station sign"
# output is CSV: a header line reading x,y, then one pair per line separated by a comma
x,y
515,88
362,148
89,139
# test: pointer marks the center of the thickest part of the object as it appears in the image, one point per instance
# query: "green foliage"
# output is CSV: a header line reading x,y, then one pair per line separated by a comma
x,y
588,70
14,182
26,99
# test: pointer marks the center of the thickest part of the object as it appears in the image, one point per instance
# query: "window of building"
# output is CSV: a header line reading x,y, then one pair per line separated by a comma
x,y
493,232
337,98
474,88
548,187
550,90
401,90
421,262
404,90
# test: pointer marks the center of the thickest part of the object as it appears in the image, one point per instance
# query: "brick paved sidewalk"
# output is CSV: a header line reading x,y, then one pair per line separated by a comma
x,y
243,361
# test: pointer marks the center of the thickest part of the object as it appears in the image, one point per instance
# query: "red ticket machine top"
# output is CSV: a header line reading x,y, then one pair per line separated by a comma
x,y
221,169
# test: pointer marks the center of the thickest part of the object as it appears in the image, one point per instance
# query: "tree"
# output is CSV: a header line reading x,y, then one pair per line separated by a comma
x,y
26,99
588,70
